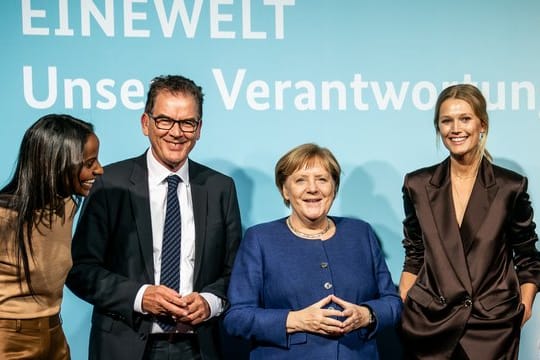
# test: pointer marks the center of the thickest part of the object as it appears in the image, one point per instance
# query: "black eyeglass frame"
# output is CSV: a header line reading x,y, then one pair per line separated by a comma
x,y
193,124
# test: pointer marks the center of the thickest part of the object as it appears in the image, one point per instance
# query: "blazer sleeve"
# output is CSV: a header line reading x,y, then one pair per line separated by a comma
x,y
231,236
92,277
412,241
523,238
247,316
387,307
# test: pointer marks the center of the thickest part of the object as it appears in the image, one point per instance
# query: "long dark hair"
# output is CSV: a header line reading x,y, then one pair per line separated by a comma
x,y
49,162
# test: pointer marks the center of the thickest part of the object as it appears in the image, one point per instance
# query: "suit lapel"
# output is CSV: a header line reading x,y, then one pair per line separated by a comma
x,y
199,196
140,206
482,196
439,192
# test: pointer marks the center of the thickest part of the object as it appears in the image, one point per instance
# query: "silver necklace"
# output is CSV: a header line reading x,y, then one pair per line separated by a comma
x,y
309,236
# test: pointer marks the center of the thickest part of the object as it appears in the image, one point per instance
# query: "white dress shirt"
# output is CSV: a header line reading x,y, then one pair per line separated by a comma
x,y
157,186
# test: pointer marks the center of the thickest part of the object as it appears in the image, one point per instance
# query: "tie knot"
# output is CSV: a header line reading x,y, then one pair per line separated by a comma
x,y
173,181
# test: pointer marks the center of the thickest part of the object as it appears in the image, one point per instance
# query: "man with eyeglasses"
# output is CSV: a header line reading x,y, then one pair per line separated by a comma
x,y
156,240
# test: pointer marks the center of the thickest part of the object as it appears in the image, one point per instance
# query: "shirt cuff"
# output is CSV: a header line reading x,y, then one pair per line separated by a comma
x,y
215,303
137,305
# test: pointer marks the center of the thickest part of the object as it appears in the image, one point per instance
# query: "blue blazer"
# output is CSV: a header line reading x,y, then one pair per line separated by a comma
x,y
276,272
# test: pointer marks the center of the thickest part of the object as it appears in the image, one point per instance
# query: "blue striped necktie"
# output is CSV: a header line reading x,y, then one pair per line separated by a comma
x,y
170,249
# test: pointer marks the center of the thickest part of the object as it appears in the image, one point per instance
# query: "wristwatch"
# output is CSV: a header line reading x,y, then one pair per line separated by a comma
x,y
371,316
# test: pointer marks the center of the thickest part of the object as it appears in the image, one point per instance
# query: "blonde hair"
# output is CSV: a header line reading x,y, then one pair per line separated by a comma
x,y
472,95
304,156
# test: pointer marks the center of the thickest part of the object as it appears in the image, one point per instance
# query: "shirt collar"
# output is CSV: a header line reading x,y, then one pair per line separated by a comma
x,y
157,173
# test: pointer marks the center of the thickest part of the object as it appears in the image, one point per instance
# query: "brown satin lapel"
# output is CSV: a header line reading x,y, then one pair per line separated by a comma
x,y
482,196
440,196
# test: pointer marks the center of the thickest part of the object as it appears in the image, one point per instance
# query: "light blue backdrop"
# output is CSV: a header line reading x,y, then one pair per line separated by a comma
x,y
357,76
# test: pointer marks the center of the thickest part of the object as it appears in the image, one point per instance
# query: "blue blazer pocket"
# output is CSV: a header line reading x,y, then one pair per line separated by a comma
x,y
297,338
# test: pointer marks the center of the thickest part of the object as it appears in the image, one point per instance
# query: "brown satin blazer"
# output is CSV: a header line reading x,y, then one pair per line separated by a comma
x,y
467,288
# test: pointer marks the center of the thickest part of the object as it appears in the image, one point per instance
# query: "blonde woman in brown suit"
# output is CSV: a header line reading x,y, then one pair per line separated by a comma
x,y
471,269
57,164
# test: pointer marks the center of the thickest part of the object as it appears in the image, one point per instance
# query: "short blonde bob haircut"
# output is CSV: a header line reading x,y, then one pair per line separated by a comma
x,y
305,156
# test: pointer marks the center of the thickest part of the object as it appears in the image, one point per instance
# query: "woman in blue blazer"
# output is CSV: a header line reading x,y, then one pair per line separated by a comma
x,y
311,286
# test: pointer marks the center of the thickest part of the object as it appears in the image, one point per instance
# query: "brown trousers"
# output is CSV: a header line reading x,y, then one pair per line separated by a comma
x,y
40,338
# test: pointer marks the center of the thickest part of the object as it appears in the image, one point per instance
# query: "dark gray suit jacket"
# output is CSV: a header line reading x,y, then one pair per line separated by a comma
x,y
112,254
468,286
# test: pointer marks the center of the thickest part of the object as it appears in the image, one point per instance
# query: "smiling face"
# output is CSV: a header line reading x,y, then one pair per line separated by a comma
x,y
91,168
172,147
460,128
310,191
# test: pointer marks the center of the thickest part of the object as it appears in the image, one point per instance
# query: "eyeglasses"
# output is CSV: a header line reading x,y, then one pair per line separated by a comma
x,y
166,123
